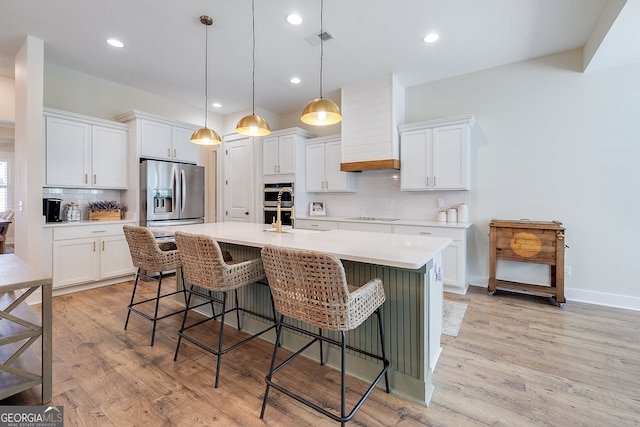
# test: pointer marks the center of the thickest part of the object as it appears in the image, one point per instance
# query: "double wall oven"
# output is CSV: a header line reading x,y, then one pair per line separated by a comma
x,y
270,202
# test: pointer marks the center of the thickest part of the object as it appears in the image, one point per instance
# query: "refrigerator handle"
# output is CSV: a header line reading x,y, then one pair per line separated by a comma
x,y
174,190
183,181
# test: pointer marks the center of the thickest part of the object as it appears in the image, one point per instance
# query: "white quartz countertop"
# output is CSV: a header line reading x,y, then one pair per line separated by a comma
x,y
393,250
86,222
384,220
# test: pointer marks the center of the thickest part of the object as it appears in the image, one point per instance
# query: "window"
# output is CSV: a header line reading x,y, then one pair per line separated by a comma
x,y
4,185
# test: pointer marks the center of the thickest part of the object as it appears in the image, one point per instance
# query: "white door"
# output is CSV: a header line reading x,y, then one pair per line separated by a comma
x,y
109,157
239,173
314,167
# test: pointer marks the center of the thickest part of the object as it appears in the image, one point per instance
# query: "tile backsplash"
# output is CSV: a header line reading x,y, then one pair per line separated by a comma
x,y
81,196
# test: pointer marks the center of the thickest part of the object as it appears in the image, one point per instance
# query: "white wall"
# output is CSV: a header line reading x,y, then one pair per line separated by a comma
x,y
7,99
70,90
551,143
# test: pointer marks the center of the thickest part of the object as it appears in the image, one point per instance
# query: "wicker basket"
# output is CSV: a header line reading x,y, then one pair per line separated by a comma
x,y
105,215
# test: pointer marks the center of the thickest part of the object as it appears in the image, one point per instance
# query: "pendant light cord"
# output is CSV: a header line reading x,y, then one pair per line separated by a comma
x,y
206,74
253,71
321,42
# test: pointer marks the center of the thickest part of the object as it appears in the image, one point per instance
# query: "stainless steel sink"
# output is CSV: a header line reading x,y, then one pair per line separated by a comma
x,y
372,218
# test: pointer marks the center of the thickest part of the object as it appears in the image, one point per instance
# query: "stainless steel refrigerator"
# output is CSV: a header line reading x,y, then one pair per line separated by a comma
x,y
171,193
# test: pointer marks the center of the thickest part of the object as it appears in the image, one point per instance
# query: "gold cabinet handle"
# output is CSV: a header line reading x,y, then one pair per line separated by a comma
x,y
427,181
103,246
86,178
425,232
95,179
175,153
94,246
168,152
434,181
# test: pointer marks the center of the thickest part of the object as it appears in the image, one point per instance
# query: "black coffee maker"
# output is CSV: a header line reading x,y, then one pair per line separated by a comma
x,y
51,209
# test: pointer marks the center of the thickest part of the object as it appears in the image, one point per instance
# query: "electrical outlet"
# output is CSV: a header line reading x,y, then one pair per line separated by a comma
x,y
567,270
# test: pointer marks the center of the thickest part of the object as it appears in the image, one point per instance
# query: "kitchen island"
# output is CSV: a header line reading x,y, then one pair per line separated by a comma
x,y
409,267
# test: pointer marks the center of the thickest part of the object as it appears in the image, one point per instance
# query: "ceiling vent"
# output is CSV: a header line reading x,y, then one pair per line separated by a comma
x,y
314,39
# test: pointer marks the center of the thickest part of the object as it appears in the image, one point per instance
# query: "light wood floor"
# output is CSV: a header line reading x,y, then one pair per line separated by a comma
x,y
517,361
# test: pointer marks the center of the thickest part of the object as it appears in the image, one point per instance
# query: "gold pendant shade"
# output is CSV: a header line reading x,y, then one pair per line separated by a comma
x,y
206,136
321,112
253,125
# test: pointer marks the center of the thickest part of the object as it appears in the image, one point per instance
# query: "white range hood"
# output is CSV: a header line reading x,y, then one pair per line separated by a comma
x,y
371,114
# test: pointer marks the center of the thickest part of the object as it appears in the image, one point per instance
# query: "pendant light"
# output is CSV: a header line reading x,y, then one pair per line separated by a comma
x,y
321,111
206,136
253,125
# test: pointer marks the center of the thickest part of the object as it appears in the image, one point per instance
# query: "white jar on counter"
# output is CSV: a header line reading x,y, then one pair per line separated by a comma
x,y
452,215
442,216
463,213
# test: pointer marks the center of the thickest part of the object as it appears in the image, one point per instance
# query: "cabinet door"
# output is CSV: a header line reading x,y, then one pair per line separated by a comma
x,y
155,140
239,181
183,149
109,158
287,154
451,274
115,259
451,158
314,167
415,150
335,179
67,153
270,156
75,261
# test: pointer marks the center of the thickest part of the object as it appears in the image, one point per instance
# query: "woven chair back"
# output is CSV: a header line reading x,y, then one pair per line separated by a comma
x,y
310,286
204,264
146,253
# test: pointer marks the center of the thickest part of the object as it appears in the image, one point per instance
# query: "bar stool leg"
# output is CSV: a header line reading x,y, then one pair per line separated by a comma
x,y
224,309
320,342
155,315
184,321
238,311
384,354
273,364
133,295
343,379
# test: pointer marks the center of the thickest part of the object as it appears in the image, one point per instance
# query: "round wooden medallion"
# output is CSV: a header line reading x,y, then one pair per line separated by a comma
x,y
525,244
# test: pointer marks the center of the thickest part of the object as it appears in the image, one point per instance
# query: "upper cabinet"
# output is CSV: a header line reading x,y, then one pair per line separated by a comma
x,y
322,166
162,139
280,151
435,154
84,152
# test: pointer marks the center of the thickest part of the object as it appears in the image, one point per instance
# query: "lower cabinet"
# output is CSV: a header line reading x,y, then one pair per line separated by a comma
x,y
454,257
309,224
83,254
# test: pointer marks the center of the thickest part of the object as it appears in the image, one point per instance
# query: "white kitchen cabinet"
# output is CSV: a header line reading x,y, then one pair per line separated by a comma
x,y
310,224
279,151
454,257
160,138
89,253
84,152
322,166
435,154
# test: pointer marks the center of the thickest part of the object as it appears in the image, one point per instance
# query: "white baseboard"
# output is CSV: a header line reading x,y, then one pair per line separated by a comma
x,y
590,297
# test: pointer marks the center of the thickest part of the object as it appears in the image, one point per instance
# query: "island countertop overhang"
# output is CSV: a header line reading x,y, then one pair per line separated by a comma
x,y
392,250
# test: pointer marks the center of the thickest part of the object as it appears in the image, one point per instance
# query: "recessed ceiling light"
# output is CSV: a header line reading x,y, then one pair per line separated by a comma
x,y
115,43
430,38
294,19
216,105
295,80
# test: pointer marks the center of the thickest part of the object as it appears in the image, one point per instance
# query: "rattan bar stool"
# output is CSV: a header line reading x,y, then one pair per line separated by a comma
x,y
311,287
206,272
150,256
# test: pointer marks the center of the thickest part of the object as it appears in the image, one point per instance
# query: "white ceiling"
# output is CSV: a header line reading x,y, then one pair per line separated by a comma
x,y
164,39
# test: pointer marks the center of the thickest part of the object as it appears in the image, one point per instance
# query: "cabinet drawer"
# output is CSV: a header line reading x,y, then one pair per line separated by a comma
x,y
316,225
87,231
362,226
451,233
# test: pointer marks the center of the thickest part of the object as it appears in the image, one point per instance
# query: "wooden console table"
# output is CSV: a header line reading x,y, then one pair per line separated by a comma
x,y
528,241
21,366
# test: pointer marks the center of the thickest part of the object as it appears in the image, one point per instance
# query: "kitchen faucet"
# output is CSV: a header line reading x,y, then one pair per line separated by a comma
x,y
278,224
